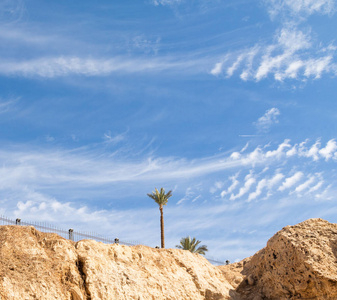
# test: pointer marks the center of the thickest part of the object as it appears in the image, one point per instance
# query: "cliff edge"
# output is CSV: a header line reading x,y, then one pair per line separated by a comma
x,y
36,265
299,262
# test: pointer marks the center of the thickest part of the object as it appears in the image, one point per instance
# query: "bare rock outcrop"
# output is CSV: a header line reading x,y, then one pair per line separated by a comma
x,y
299,262
139,272
35,265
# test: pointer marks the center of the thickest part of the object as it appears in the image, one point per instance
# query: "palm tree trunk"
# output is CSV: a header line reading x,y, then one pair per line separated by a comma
x,y
162,226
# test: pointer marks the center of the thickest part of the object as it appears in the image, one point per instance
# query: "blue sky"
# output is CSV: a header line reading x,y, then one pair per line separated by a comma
x,y
230,104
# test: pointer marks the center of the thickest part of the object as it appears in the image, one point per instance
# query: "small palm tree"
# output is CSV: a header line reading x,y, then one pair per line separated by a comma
x,y
161,199
191,245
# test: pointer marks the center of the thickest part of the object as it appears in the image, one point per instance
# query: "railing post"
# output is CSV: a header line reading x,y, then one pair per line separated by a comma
x,y
71,234
18,221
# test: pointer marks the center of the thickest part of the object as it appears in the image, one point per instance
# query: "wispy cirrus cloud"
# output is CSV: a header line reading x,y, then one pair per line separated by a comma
x,y
291,181
265,183
234,183
166,2
293,53
114,139
315,151
82,168
267,120
305,185
300,7
52,67
249,181
261,185
7,105
290,56
49,185
146,45
82,173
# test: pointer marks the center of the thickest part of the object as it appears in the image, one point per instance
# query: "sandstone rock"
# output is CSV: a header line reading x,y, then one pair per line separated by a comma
x,y
299,262
35,265
122,272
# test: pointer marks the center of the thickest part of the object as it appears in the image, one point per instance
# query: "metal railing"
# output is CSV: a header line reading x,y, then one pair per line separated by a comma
x,y
70,234
76,236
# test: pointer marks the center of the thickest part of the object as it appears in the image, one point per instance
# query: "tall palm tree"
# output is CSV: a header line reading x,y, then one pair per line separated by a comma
x,y
191,245
161,199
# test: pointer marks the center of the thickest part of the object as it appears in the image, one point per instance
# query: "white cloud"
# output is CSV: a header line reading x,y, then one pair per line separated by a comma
x,y
291,181
315,151
235,155
268,119
114,139
255,157
316,67
7,105
196,198
292,151
260,186
329,150
188,194
326,194
316,187
217,185
234,66
231,188
300,7
275,180
290,56
305,185
249,60
266,183
82,169
166,2
192,193
244,148
280,151
217,68
64,66
54,185
249,181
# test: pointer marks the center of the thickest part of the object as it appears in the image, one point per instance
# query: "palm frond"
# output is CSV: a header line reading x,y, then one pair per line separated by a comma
x,y
160,197
191,245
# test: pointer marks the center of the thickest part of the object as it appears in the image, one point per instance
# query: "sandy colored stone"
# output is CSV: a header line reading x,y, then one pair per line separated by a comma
x,y
299,262
35,265
140,272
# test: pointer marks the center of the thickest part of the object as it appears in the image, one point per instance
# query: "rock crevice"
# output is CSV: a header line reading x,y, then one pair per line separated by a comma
x,y
80,267
298,262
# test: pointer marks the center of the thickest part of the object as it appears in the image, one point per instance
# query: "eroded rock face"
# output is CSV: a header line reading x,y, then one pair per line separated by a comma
x,y
299,262
121,272
35,265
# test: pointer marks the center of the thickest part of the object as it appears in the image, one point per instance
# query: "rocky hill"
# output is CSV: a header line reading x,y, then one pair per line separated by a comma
x,y
299,262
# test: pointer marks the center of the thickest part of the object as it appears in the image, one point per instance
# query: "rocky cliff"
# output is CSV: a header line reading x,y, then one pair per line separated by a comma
x,y
35,265
299,262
